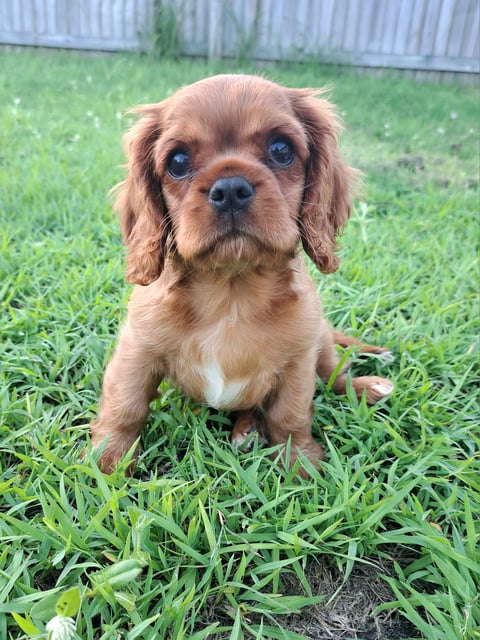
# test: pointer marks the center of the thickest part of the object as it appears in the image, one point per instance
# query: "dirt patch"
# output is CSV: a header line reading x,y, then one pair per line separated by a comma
x,y
413,163
347,611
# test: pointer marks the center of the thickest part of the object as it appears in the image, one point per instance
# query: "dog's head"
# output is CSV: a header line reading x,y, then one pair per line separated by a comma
x,y
233,171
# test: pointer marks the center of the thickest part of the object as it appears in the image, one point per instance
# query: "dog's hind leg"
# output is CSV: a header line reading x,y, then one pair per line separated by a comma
x,y
374,387
347,341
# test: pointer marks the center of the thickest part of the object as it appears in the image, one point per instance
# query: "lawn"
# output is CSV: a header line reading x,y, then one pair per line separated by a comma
x,y
204,542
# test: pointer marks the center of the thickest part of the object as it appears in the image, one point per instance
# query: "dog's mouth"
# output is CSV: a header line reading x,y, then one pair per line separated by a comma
x,y
236,242
236,250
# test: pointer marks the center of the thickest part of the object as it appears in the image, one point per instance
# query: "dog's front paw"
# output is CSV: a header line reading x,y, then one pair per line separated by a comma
x,y
246,429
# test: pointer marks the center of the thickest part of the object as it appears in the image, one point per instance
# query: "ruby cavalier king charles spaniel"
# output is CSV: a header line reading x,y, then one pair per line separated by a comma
x,y
227,180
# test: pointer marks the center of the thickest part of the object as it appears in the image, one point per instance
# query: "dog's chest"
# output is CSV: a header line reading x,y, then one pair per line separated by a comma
x,y
225,366
218,391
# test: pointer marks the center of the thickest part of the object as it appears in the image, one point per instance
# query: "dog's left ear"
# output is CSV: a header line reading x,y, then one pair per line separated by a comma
x,y
328,181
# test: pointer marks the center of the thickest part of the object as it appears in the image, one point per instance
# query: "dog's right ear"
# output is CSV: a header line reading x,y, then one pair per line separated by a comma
x,y
139,200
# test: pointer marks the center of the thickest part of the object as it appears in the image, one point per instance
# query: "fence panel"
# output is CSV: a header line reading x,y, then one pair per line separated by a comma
x,y
104,25
430,35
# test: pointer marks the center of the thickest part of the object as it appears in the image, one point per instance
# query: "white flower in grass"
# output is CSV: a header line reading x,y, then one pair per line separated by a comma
x,y
61,628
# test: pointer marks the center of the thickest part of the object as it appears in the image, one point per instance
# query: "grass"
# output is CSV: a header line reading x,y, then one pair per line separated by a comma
x,y
203,542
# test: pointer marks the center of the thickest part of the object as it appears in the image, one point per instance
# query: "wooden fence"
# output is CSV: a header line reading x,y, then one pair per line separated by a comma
x,y
429,35
103,25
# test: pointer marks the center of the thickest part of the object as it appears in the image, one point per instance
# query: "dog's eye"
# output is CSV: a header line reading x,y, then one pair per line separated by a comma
x,y
179,164
280,152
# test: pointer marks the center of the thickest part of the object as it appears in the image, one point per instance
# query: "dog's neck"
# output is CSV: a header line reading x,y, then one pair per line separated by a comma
x,y
250,292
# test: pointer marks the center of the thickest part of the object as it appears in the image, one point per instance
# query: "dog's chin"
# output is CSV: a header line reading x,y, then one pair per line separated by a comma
x,y
235,252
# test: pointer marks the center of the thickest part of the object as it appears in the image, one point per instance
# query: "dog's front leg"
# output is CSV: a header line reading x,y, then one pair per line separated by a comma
x,y
289,413
130,383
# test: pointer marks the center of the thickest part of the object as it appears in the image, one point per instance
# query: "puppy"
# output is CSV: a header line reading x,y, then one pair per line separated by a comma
x,y
227,179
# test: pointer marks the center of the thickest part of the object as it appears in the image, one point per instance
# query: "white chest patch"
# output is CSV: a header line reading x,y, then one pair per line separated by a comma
x,y
217,392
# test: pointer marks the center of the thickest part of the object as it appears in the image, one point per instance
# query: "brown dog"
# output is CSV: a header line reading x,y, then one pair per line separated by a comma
x,y
226,179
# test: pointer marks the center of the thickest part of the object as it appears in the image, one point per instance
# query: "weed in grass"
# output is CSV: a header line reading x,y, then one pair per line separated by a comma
x,y
204,542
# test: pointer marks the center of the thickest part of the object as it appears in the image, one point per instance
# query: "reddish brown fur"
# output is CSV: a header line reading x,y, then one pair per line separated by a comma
x,y
231,316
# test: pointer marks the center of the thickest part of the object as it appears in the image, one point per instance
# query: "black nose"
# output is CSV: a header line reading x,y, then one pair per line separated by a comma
x,y
231,195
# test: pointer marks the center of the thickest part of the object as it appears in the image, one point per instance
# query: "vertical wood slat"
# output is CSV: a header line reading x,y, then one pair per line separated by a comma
x,y
430,27
471,42
326,18
350,26
416,26
426,34
455,25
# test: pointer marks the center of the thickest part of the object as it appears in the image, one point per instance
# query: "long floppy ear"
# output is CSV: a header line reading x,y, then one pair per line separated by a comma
x,y
139,200
328,181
